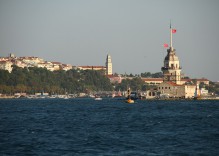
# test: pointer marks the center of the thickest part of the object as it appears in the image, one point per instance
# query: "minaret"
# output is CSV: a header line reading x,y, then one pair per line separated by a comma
x,y
109,68
171,69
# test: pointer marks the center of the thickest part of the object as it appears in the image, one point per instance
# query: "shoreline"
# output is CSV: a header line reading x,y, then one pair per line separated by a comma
x,y
145,99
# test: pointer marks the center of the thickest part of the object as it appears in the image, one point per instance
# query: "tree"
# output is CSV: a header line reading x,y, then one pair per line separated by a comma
x,y
4,76
157,75
146,74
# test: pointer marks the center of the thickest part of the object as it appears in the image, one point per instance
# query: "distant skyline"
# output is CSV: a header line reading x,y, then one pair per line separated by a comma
x,y
83,32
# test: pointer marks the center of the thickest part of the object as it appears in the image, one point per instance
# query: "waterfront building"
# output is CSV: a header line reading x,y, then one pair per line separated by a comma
x,y
203,91
173,90
151,94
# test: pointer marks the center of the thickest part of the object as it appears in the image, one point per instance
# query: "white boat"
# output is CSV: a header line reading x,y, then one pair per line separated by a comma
x,y
98,98
66,97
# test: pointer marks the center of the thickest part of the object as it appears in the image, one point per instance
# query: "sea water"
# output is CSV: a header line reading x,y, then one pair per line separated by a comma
x,y
108,127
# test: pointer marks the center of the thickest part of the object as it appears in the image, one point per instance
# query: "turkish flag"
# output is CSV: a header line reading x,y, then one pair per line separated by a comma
x,y
173,30
165,45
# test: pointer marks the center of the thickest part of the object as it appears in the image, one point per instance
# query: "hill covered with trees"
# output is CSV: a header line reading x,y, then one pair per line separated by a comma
x,y
32,80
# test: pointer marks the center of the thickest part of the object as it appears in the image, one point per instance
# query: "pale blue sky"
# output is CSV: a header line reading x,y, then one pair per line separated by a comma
x,y
83,32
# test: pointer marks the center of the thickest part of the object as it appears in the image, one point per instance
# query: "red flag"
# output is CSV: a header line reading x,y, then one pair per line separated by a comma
x,y
173,30
165,45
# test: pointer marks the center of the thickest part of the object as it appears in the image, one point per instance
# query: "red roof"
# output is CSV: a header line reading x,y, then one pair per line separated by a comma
x,y
112,76
3,62
172,83
56,63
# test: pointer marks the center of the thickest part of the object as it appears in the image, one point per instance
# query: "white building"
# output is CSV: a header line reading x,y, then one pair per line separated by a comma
x,y
203,91
6,65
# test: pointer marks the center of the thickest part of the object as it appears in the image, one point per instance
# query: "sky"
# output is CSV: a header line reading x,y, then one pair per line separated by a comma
x,y
83,32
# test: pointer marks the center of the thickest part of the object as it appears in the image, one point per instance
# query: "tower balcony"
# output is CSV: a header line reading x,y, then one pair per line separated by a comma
x,y
170,68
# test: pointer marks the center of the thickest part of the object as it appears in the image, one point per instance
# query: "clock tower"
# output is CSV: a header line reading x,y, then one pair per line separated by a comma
x,y
109,70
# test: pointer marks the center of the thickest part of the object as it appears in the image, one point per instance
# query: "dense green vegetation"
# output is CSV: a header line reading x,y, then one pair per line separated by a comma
x,y
33,80
153,75
213,88
145,74
136,84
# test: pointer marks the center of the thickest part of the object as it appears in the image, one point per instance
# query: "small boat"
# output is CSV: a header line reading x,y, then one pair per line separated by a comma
x,y
98,98
129,100
65,97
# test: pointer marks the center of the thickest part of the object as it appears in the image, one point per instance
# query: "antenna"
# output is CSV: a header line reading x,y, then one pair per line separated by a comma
x,y
170,23
171,38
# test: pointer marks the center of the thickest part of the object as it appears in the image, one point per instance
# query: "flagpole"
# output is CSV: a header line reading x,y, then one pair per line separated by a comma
x,y
171,38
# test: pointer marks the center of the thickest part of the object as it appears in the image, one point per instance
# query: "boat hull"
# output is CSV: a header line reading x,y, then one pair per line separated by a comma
x,y
130,101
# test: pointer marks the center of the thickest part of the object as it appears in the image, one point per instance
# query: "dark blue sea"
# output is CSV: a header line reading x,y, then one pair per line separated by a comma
x,y
79,127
